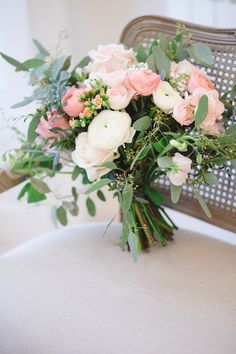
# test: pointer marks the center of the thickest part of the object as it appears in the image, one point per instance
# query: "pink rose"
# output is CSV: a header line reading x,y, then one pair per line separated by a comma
x,y
142,82
180,171
215,108
91,158
184,112
197,78
71,102
111,79
119,97
111,57
54,121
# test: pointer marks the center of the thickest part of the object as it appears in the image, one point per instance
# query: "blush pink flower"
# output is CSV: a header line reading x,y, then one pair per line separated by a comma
x,y
111,79
142,82
119,97
54,121
197,77
179,174
71,102
183,112
111,57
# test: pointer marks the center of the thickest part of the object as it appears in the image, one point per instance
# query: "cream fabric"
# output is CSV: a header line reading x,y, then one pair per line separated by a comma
x,y
74,292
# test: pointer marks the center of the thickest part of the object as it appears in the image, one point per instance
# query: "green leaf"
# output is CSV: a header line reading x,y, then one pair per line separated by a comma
x,y
33,195
202,203
133,244
143,123
76,172
98,185
202,110
210,178
40,48
33,63
181,55
57,67
141,54
84,62
74,194
112,165
231,130
175,193
18,65
101,196
164,41
151,63
26,100
91,207
127,197
140,155
160,145
64,76
162,62
39,185
67,63
155,196
203,54
61,215
164,162
31,134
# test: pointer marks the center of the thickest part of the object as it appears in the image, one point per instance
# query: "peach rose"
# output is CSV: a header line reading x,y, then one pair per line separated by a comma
x,y
91,158
119,97
181,169
54,121
71,102
184,112
111,57
197,78
142,82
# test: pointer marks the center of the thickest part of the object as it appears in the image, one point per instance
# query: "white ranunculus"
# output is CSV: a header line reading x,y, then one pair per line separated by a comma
x,y
110,129
180,172
91,158
165,97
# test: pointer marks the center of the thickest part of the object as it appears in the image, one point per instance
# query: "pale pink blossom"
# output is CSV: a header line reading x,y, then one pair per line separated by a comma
x,y
179,174
119,97
111,57
71,102
142,82
53,121
110,79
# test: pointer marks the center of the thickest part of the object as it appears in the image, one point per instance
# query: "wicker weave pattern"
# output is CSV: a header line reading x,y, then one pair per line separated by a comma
x,y
221,198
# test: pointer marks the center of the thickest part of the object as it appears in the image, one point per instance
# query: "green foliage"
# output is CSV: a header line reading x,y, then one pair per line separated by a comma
x,y
98,185
142,124
101,196
202,203
175,193
62,215
18,65
164,162
32,134
155,196
127,197
39,185
203,54
133,244
91,207
76,172
210,178
162,62
202,110
33,196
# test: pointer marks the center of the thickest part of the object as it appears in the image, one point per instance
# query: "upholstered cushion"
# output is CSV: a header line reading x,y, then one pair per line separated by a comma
x,y
74,292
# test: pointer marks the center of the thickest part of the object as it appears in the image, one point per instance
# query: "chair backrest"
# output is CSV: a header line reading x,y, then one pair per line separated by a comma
x,y
221,198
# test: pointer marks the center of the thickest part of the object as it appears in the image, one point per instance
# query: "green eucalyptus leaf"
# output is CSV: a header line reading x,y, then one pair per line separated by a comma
x,y
164,162
181,55
61,215
101,195
74,194
202,203
31,134
151,63
203,54
90,207
84,62
26,100
110,164
210,178
18,65
162,62
163,41
202,110
98,185
161,144
233,163
133,244
127,197
67,63
175,193
143,123
40,48
33,195
231,130
39,185
57,67
33,63
76,172
141,54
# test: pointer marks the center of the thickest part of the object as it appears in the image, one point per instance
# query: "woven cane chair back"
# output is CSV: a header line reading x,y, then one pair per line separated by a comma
x,y
222,197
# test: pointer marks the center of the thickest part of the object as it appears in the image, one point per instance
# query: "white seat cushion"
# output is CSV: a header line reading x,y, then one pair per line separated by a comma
x,y
74,292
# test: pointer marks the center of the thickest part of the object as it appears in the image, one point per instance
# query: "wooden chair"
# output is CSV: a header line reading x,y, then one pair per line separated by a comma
x,y
221,198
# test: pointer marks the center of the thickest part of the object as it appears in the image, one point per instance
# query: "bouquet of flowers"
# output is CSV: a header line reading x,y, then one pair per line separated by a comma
x,y
124,118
